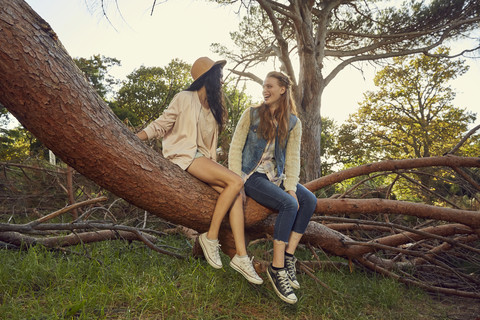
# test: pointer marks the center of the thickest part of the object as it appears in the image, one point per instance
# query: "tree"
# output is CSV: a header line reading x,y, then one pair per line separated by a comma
x,y
322,38
411,115
236,102
96,69
47,93
149,90
329,137
3,115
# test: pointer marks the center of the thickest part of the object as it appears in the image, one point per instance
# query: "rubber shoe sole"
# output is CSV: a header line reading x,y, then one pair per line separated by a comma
x,y
281,296
295,285
245,275
205,253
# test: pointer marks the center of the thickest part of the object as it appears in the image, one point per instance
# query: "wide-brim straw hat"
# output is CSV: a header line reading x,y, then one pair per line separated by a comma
x,y
203,65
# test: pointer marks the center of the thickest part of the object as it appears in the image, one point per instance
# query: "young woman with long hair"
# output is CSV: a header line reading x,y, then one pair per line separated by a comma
x,y
189,128
265,151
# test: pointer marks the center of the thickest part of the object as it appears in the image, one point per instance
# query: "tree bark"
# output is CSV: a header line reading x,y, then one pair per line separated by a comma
x,y
22,240
42,87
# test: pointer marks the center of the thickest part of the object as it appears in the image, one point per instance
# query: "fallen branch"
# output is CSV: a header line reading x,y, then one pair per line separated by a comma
x,y
392,165
419,284
461,142
408,236
25,241
66,209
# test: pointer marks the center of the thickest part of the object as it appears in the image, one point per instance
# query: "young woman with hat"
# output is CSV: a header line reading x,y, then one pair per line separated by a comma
x,y
265,151
189,128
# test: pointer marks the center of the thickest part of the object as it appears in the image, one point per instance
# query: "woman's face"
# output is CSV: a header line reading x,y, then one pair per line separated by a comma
x,y
272,91
221,77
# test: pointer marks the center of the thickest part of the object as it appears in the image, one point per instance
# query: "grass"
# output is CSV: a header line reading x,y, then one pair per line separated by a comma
x,y
120,280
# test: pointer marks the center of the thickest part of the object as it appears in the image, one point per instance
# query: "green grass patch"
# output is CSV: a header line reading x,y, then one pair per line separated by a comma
x,y
120,280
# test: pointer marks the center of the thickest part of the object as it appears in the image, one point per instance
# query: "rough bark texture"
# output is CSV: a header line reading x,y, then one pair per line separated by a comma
x,y
42,87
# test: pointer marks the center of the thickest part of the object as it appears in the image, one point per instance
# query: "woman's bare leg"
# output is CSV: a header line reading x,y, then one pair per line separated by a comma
x,y
237,223
217,175
278,254
293,242
229,185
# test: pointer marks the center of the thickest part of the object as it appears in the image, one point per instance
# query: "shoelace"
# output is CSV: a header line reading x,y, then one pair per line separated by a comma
x,y
283,281
216,251
290,267
249,265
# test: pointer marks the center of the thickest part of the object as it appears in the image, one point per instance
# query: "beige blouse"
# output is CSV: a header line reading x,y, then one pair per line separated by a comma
x,y
206,137
182,135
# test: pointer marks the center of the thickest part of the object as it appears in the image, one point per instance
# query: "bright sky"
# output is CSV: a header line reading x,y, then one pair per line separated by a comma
x,y
185,29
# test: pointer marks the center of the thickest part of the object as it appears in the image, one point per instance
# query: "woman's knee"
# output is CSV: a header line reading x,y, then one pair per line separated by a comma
x,y
235,182
306,197
312,199
289,203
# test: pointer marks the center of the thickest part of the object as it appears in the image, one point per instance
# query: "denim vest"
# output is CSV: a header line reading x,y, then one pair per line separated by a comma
x,y
255,145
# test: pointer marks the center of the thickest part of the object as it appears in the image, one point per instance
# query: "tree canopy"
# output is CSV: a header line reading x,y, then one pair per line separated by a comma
x,y
411,114
149,90
312,41
96,69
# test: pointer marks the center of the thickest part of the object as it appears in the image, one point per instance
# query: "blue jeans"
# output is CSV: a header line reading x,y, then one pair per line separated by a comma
x,y
289,219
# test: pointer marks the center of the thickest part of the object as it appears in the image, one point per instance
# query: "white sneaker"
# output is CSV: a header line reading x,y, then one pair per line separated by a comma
x,y
245,267
210,250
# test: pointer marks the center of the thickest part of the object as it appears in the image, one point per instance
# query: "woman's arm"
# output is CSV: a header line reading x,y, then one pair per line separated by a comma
x,y
142,135
292,158
238,142
160,126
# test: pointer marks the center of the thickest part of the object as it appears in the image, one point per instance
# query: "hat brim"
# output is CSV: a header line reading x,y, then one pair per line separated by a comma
x,y
219,62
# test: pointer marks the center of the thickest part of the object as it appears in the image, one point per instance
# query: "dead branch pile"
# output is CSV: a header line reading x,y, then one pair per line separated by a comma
x,y
437,254
434,246
34,190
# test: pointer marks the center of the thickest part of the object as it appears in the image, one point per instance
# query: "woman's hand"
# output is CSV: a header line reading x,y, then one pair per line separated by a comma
x,y
293,194
142,135
244,196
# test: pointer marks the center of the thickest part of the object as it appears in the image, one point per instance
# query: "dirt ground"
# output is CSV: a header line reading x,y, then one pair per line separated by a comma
x,y
458,308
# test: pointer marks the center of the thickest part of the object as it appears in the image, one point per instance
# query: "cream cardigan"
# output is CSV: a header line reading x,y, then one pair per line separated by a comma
x,y
178,127
292,157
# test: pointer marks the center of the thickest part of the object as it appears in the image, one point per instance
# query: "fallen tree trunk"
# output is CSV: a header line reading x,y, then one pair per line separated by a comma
x,y
43,88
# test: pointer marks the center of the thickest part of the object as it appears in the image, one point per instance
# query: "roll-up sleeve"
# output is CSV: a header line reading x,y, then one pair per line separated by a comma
x,y
159,127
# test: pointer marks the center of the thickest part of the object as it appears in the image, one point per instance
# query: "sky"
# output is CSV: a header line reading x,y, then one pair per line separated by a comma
x,y
185,29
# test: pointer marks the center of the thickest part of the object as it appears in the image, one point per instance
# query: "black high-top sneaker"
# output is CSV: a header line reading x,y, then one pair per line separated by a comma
x,y
290,263
281,284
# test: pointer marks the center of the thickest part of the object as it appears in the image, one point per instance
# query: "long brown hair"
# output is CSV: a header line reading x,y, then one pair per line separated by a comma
x,y
266,128
213,86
